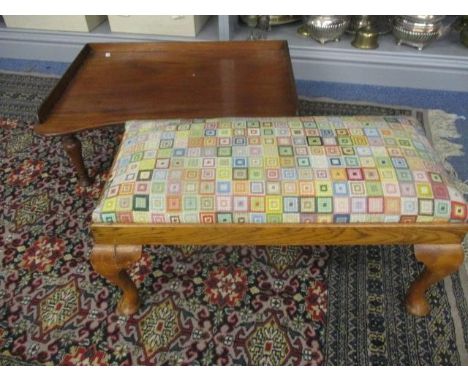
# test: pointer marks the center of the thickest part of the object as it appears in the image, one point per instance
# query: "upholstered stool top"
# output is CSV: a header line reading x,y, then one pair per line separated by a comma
x,y
278,170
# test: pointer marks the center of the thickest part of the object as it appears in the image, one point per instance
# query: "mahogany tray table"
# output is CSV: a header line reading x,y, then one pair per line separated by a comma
x,y
111,83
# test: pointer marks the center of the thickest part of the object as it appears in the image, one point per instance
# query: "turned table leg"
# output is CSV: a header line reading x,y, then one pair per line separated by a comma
x,y
72,146
440,261
111,262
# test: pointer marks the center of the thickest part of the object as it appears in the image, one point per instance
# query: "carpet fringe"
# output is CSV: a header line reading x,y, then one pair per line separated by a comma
x,y
443,131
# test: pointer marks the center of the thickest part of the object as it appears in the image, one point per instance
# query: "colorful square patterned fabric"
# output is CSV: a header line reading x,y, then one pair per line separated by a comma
x,y
278,170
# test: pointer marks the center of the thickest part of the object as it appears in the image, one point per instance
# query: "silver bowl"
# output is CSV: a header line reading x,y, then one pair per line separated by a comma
x,y
326,28
416,39
416,26
432,19
417,34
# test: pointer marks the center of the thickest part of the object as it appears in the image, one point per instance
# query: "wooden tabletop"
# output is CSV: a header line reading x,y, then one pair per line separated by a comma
x,y
112,83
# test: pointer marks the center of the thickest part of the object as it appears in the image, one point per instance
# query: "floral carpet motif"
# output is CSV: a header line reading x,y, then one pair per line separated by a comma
x,y
201,305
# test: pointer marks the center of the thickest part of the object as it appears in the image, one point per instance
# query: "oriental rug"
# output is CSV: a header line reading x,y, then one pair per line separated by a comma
x,y
202,305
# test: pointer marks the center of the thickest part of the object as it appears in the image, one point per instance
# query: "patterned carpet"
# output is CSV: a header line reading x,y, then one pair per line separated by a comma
x,y
202,305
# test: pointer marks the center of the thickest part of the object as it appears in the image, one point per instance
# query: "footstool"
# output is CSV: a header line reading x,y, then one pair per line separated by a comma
x,y
278,181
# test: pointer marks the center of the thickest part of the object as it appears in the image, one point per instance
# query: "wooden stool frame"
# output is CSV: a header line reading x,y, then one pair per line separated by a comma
x,y
437,246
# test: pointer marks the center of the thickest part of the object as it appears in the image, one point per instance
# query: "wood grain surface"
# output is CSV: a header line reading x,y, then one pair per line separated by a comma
x,y
440,261
112,263
279,234
114,82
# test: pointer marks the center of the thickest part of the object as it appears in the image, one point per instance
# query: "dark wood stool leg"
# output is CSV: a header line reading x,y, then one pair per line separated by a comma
x,y
72,146
119,138
440,261
111,262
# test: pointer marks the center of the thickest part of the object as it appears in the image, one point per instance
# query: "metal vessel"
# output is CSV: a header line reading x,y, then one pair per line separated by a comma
x,y
380,24
252,20
430,19
303,32
366,38
326,28
283,19
418,31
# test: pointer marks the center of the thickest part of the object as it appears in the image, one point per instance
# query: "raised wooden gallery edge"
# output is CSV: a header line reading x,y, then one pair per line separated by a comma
x,y
111,83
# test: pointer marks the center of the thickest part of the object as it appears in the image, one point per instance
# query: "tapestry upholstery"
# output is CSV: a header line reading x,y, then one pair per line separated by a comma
x,y
361,169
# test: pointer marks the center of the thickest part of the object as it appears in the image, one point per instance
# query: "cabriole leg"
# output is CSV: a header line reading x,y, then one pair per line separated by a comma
x,y
440,261
111,262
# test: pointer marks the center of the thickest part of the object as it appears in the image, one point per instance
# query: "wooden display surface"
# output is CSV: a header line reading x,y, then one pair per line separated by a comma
x,y
112,83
